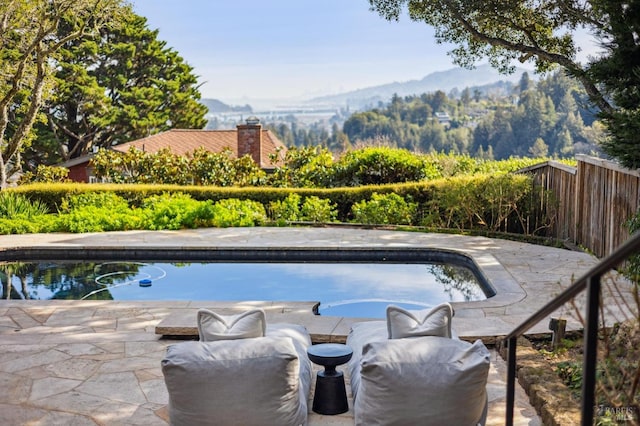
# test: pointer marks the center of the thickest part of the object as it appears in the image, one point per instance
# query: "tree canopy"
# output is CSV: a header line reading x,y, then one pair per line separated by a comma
x,y
499,125
30,43
504,31
123,84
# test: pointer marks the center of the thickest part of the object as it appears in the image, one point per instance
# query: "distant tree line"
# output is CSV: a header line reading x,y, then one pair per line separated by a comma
x,y
536,119
542,33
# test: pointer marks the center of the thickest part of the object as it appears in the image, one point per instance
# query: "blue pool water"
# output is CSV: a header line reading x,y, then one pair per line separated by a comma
x,y
343,289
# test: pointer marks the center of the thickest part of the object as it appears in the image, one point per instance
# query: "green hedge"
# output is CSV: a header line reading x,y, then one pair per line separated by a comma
x,y
482,202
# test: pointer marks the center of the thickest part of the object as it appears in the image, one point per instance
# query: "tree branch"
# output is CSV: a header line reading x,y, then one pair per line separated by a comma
x,y
572,67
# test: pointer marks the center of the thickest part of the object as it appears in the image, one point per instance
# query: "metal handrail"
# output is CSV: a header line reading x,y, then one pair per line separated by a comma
x,y
591,282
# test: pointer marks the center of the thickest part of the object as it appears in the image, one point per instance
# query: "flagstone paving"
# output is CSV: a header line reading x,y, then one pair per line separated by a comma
x,y
98,362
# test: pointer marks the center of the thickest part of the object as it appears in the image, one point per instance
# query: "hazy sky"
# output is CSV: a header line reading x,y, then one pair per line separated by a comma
x,y
261,49
289,48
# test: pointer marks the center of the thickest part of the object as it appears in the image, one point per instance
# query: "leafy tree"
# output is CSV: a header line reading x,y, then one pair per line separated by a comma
x,y
465,96
496,133
338,141
31,40
438,100
534,117
525,82
432,137
368,125
458,140
283,132
48,174
619,72
381,165
163,167
539,149
304,167
542,32
121,85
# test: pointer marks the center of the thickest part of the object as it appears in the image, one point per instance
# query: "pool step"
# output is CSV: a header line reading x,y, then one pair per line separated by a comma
x,y
323,329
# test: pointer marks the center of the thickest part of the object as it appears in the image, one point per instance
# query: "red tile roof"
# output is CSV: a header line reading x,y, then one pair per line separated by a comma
x,y
185,141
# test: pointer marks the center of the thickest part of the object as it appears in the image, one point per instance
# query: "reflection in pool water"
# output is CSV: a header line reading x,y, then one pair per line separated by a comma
x,y
343,289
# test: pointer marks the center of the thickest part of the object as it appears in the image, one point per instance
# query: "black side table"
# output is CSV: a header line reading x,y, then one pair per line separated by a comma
x,y
330,396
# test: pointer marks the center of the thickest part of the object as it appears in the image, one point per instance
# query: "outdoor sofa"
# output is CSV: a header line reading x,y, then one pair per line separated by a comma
x,y
413,370
241,372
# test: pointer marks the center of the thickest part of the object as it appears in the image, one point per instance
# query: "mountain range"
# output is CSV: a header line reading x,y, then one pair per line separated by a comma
x,y
483,78
454,78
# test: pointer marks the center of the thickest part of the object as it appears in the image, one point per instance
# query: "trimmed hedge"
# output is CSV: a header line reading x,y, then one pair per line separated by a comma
x,y
480,202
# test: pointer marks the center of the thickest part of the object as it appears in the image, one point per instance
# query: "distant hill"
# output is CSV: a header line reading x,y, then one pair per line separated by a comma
x,y
216,106
483,76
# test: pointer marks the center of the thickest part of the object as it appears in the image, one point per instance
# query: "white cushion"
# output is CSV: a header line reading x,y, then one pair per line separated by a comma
x,y
427,322
213,326
253,381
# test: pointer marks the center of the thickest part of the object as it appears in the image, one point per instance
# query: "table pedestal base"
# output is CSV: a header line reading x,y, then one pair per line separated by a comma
x,y
330,396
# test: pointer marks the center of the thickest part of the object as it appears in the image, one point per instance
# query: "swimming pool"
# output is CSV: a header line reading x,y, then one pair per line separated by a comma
x,y
353,283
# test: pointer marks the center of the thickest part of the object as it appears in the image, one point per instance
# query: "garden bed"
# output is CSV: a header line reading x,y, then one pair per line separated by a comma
x,y
553,377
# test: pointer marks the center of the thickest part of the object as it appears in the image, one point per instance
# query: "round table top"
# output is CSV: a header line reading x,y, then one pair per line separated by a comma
x,y
329,354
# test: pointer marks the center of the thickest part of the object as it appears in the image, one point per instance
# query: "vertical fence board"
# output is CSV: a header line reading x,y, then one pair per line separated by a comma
x,y
594,201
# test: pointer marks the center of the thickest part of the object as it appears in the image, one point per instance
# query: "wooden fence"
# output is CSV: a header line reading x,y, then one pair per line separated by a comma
x,y
589,204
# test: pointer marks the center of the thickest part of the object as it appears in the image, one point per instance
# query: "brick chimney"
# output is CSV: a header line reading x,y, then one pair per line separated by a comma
x,y
250,139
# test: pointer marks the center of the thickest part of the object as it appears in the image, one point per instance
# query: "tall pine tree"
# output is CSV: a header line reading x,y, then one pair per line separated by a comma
x,y
123,85
619,72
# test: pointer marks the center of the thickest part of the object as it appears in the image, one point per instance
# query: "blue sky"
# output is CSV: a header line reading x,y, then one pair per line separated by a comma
x,y
292,48
244,50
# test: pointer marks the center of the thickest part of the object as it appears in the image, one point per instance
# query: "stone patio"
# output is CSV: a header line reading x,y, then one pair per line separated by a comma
x,y
98,362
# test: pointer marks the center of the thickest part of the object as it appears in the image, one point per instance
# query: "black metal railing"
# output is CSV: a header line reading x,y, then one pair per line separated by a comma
x,y
592,283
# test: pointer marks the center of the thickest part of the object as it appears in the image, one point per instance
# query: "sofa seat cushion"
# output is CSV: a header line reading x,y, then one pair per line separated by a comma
x,y
361,334
301,341
253,381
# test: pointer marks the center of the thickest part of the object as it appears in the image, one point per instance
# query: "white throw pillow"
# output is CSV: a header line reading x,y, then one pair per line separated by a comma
x,y
213,326
427,322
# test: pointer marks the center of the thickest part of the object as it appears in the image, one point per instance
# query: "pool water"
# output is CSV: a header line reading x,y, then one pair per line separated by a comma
x,y
343,289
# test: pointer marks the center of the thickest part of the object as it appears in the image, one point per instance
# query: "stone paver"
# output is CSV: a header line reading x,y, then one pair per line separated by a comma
x,y
98,362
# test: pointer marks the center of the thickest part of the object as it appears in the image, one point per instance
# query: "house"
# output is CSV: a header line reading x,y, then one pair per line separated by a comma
x,y
443,118
248,139
80,169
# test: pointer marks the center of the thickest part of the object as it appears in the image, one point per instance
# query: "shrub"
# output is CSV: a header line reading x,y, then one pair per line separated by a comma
x,y
175,211
384,209
287,210
96,212
47,174
202,167
304,167
31,225
220,169
381,165
14,205
234,212
495,203
315,209
104,199
97,219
